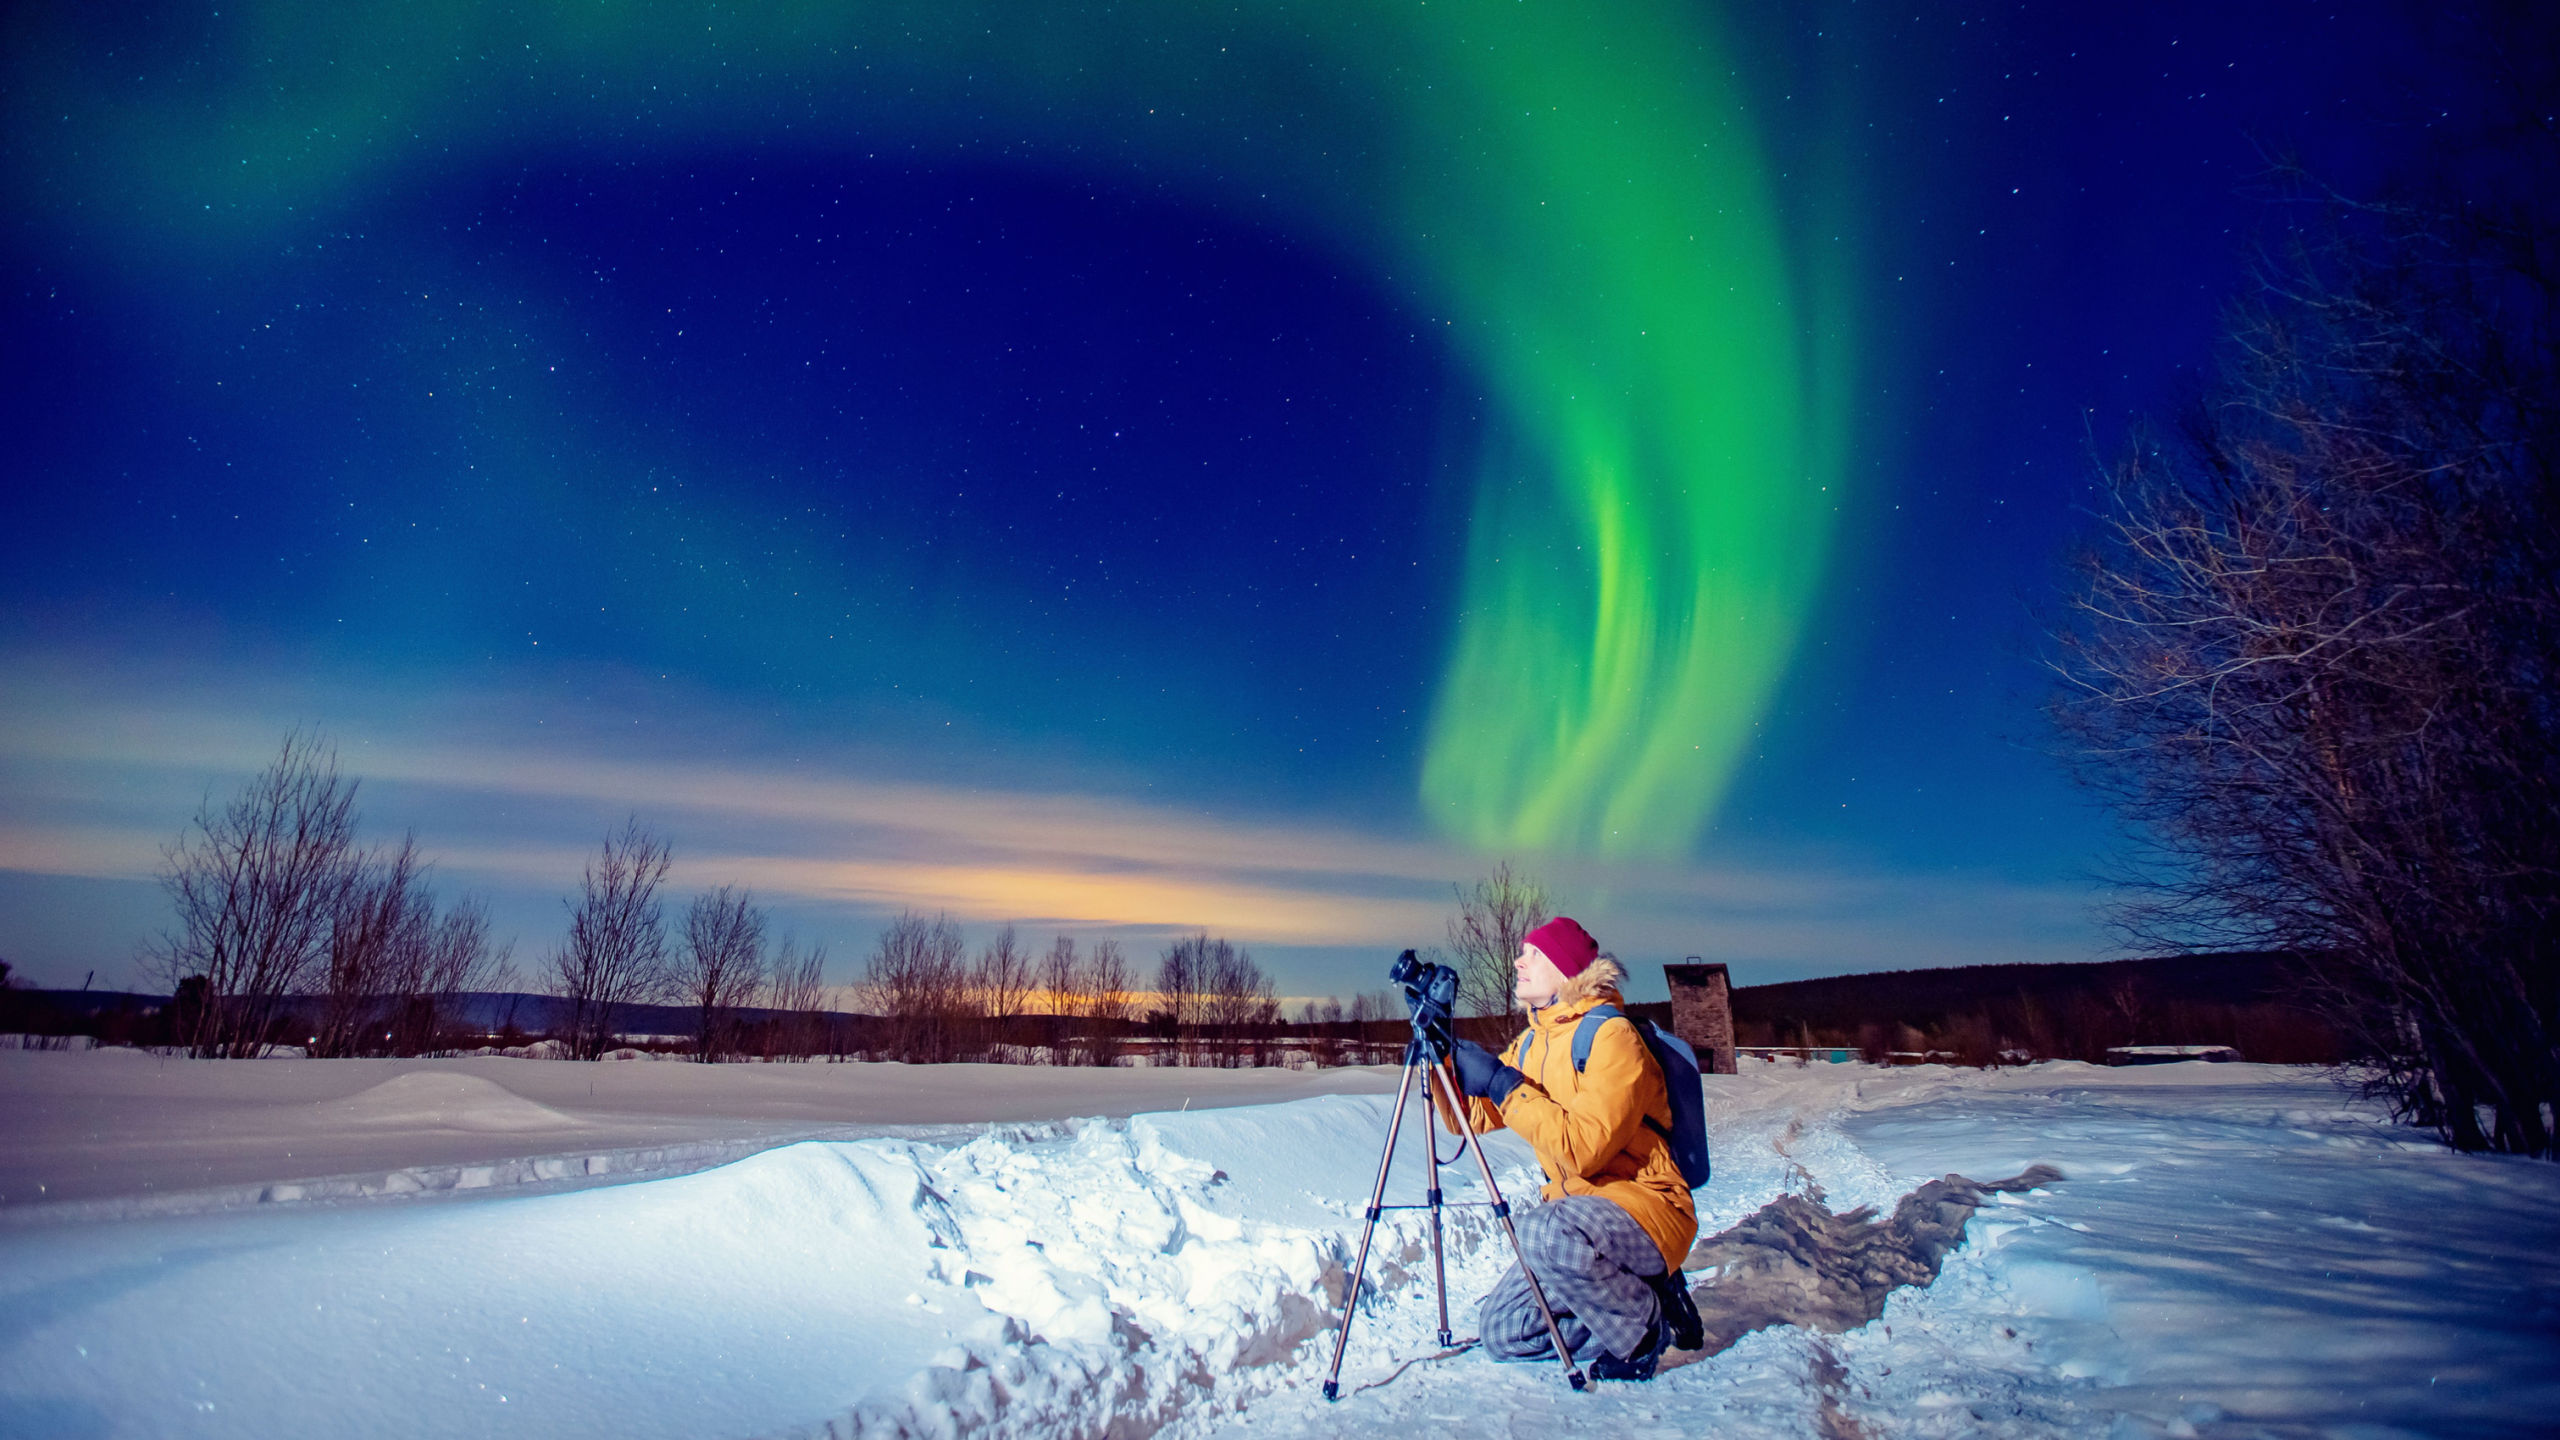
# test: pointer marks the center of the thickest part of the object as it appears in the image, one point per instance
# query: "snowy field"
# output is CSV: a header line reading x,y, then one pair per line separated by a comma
x,y
119,1132
2232,1250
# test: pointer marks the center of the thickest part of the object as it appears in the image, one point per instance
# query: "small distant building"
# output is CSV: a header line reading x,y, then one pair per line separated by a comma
x,y
1807,1054
2168,1054
1702,1012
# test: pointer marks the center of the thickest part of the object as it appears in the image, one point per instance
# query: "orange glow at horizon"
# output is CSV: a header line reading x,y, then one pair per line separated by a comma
x,y
1086,899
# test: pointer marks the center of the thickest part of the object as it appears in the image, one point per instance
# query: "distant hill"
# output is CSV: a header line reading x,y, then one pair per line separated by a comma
x,y
2243,999
1917,996
549,1014
88,1002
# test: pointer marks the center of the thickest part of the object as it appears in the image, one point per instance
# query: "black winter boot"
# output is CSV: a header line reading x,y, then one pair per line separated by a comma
x,y
1610,1367
1606,1366
1679,1312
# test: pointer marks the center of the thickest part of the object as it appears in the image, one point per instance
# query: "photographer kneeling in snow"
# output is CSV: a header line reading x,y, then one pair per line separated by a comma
x,y
1617,1218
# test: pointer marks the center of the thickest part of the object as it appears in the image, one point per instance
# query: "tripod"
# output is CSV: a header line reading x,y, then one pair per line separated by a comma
x,y
1425,1056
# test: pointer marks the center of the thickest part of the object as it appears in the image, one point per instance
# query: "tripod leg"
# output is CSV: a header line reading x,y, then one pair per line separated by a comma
x,y
1369,1227
1439,1265
1502,1212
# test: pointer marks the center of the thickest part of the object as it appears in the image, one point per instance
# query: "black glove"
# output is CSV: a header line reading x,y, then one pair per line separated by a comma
x,y
1480,1075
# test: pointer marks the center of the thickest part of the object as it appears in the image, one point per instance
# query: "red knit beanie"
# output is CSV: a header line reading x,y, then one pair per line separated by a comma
x,y
1565,943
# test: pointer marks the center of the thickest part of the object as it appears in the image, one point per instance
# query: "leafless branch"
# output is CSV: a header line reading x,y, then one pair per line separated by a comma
x,y
616,953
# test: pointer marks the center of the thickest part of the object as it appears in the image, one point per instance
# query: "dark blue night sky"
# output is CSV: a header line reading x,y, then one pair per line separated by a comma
x,y
903,478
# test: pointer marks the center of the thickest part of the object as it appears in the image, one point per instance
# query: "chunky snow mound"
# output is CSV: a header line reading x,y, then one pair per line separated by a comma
x,y
1058,1280
2233,1250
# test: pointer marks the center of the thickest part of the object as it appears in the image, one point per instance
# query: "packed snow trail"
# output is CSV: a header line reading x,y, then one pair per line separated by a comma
x,y
1796,1262
2237,1251
2240,1251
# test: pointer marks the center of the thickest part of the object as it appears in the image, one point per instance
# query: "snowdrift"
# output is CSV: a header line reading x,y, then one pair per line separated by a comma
x,y
2236,1250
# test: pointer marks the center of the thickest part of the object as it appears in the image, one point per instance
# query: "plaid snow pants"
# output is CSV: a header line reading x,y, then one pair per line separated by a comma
x,y
1592,1259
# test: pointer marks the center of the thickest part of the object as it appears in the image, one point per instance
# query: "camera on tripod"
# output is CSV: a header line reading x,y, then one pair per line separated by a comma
x,y
1430,999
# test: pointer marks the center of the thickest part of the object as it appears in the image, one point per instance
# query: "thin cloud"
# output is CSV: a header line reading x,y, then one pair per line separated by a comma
x,y
99,782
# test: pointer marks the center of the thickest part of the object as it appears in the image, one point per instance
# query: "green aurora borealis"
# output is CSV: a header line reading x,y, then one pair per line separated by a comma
x,y
1576,194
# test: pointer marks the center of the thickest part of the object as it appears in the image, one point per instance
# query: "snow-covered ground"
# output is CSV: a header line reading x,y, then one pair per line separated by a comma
x,y
119,1132
2233,1250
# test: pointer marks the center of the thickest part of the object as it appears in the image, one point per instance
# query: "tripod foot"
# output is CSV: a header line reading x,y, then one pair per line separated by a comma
x,y
1575,1378
1332,1390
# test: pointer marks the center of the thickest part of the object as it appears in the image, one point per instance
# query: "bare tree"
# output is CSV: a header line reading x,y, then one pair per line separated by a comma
x,y
1181,982
457,959
953,1008
395,969
2312,656
918,981
378,938
720,965
1262,1026
1106,1002
796,994
894,986
616,953
1368,1008
257,885
1323,1022
1003,979
1235,998
1494,915
1062,994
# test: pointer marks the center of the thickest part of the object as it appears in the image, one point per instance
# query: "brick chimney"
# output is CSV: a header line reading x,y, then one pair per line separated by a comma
x,y
1702,1012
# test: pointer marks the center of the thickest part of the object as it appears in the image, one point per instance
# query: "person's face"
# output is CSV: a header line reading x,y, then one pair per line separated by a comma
x,y
1539,979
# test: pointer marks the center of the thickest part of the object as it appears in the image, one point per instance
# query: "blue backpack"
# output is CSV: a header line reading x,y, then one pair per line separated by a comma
x,y
1687,1134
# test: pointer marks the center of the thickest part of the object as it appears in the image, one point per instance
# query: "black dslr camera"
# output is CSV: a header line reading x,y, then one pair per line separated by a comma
x,y
1430,999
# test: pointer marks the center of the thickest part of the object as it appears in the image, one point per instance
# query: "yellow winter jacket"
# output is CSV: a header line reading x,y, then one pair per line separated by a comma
x,y
1588,1128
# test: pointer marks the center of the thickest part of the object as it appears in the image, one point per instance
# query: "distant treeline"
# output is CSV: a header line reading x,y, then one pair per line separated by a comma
x,y
1971,1015
1984,1014
514,1019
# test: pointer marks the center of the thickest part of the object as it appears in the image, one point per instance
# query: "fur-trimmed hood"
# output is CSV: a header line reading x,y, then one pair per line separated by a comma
x,y
1602,974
